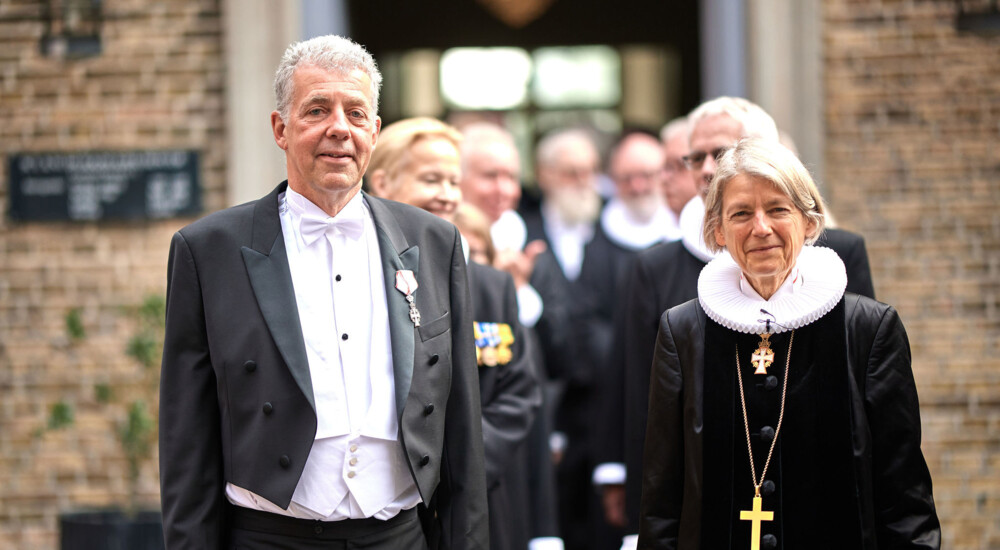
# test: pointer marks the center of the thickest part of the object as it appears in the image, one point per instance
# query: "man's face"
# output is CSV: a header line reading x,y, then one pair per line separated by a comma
x,y
678,183
709,139
574,168
569,183
330,132
637,170
491,180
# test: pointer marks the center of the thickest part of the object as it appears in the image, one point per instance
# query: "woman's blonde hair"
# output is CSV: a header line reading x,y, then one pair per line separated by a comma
x,y
769,160
396,139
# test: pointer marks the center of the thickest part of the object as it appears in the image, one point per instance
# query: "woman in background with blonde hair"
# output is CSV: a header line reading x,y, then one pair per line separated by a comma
x,y
417,162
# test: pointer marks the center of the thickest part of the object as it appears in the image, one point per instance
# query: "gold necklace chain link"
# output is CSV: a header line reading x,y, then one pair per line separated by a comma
x,y
746,421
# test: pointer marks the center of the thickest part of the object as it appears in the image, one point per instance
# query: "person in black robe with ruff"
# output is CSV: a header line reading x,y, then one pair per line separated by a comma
x,y
783,411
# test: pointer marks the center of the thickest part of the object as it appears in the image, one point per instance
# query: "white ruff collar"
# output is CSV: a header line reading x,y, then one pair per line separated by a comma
x,y
691,220
627,232
824,279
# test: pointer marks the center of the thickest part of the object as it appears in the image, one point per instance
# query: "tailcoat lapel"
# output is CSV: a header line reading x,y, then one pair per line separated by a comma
x,y
401,330
267,265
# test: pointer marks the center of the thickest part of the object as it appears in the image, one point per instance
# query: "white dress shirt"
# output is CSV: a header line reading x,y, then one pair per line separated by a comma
x,y
356,467
510,233
568,240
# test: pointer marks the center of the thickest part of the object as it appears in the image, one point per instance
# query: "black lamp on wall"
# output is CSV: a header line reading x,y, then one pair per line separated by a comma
x,y
72,28
978,17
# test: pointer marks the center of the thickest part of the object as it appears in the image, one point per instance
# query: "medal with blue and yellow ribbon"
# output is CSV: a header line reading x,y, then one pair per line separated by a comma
x,y
493,342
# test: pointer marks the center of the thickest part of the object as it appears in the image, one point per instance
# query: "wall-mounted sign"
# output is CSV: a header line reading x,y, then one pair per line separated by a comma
x,y
126,185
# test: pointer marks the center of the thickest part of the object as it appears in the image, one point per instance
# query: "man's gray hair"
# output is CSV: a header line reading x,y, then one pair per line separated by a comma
x,y
676,126
330,53
754,120
556,143
481,134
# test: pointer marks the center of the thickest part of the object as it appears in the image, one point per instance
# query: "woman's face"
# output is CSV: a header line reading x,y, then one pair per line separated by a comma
x,y
428,178
762,229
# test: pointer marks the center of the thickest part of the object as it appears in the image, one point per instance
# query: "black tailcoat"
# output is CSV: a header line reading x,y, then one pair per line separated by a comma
x,y
233,342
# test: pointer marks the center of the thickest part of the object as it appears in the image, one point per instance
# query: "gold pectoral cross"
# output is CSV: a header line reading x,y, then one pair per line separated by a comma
x,y
763,356
756,516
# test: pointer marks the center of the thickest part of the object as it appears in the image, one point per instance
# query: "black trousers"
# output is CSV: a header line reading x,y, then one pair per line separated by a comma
x,y
256,530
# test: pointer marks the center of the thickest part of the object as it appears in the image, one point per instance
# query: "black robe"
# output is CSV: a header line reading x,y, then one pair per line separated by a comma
x,y
847,471
511,396
662,277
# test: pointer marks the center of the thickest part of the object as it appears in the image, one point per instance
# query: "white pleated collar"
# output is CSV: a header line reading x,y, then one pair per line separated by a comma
x,y
628,232
691,220
820,283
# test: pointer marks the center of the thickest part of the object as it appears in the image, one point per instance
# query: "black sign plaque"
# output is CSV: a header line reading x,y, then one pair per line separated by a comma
x,y
127,185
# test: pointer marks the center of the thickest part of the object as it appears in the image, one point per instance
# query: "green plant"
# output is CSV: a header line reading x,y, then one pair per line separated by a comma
x,y
137,436
137,432
60,415
74,325
103,393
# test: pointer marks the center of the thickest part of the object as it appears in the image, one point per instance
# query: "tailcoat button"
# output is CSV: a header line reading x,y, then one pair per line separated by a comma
x,y
767,488
769,542
770,382
268,407
428,409
318,529
767,433
250,366
433,360
425,460
284,461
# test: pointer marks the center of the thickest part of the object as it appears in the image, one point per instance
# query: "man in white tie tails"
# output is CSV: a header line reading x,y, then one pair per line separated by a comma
x,y
319,383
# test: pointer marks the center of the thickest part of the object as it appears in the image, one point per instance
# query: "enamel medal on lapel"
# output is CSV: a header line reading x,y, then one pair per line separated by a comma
x,y
407,284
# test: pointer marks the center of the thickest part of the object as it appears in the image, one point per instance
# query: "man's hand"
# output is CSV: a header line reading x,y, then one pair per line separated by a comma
x,y
613,500
519,264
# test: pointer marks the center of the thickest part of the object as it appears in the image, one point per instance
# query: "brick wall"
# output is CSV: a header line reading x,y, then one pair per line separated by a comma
x,y
158,84
913,163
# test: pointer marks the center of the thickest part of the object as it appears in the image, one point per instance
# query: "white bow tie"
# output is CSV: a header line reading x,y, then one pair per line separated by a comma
x,y
349,222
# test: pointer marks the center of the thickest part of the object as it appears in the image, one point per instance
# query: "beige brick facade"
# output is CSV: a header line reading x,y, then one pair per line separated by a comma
x,y
912,114
913,163
158,84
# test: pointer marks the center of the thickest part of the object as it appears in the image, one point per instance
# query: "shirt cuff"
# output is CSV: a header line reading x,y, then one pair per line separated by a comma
x,y
609,473
545,543
630,542
529,305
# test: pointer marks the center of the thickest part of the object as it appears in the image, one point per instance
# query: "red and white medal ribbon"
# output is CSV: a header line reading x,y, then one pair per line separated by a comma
x,y
407,284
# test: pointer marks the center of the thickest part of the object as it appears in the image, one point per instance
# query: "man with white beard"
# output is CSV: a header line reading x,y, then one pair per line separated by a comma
x,y
566,164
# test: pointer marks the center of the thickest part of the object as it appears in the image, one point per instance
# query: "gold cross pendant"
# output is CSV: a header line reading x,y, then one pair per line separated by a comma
x,y
756,516
763,356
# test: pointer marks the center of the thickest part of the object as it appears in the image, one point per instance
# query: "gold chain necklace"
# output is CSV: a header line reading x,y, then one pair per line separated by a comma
x,y
758,514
